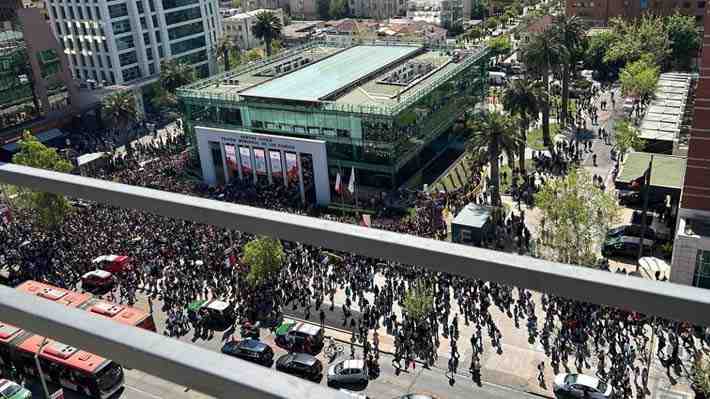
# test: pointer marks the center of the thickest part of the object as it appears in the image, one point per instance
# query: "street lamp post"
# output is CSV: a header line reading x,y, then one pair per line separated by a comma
x,y
39,368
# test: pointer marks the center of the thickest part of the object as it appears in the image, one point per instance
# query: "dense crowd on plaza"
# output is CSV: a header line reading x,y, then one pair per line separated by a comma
x,y
178,261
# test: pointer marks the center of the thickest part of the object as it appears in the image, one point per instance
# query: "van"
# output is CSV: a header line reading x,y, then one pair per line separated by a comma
x,y
497,78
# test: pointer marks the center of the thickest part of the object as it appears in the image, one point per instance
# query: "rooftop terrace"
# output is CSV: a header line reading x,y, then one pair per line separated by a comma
x,y
344,79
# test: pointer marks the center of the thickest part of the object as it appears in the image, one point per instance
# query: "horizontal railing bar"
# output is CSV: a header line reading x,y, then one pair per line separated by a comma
x,y
189,365
668,300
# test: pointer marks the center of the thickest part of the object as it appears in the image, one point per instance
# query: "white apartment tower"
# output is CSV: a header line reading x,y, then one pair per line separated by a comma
x,y
123,41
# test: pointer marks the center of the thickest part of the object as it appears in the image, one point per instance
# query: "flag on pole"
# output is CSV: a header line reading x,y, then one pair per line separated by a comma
x,y
338,187
366,221
351,184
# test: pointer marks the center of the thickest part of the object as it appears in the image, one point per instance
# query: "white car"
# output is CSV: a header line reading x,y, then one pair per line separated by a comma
x,y
580,386
348,372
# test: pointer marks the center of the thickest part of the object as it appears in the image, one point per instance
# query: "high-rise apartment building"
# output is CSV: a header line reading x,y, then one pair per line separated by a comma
x,y
123,41
599,12
379,9
691,246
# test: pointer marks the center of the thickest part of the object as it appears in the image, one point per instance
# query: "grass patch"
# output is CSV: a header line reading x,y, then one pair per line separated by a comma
x,y
535,137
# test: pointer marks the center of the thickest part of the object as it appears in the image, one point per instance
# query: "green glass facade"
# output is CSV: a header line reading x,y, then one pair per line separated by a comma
x,y
388,144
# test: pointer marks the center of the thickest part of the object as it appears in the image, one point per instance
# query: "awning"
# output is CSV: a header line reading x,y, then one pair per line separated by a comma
x,y
667,170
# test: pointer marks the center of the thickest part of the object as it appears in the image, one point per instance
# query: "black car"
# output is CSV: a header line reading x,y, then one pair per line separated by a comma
x,y
252,350
302,365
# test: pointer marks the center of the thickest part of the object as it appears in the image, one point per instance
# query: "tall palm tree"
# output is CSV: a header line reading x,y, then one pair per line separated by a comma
x,y
541,54
174,74
522,98
570,33
224,49
494,133
267,28
120,108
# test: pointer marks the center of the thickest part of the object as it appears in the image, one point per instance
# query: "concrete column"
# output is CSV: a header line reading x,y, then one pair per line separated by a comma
x,y
283,168
253,163
300,179
269,170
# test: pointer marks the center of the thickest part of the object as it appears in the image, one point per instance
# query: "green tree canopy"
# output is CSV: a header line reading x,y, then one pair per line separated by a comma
x,y
627,138
500,46
418,301
267,28
595,55
120,108
575,217
639,78
684,38
635,39
265,257
49,209
174,74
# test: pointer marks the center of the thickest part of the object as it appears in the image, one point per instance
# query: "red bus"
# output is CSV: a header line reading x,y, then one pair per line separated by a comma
x,y
96,306
62,364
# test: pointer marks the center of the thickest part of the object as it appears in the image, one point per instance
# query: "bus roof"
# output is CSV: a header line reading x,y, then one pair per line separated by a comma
x,y
64,354
120,313
8,332
54,294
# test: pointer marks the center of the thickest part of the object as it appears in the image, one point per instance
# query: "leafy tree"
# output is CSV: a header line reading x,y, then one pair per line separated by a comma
x,y
570,33
700,374
491,24
639,79
175,74
575,217
684,38
120,108
265,257
267,28
627,138
638,38
254,54
500,46
494,133
224,49
49,209
541,55
418,301
595,55
522,98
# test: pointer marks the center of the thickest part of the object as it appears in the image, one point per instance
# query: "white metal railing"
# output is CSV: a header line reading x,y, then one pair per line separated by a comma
x,y
663,299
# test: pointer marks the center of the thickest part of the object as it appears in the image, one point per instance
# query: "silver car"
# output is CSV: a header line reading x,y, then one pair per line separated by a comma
x,y
580,386
348,372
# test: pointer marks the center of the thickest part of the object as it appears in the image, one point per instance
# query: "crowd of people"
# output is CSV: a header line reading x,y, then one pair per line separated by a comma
x,y
179,261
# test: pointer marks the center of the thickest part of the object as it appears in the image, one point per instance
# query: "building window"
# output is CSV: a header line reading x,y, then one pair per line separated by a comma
x,y
146,38
194,58
176,17
124,43
118,10
701,4
128,58
185,30
167,4
151,4
151,68
701,278
149,54
160,52
144,25
131,73
108,61
139,5
121,27
187,45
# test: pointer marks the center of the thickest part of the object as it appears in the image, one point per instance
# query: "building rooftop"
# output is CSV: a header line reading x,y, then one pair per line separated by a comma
x,y
377,77
319,80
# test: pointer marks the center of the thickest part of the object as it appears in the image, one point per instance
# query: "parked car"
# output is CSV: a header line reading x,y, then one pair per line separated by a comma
x,y
13,390
291,332
346,372
631,230
625,246
580,386
301,365
252,350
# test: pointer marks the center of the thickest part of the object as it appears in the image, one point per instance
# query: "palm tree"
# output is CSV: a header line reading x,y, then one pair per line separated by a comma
x,y
570,33
174,74
267,28
540,55
224,49
120,108
522,98
492,132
